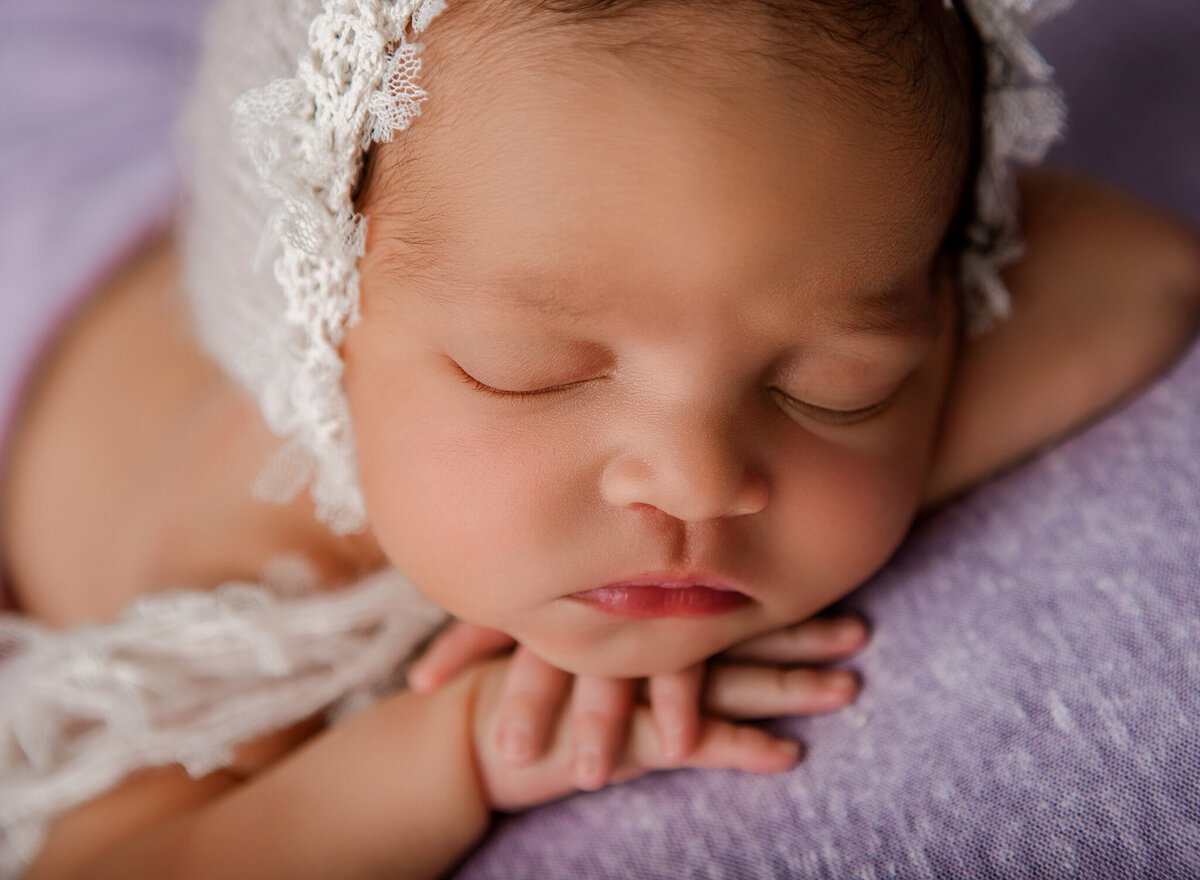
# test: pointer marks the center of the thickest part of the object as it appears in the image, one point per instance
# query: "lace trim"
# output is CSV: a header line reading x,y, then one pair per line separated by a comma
x,y
306,137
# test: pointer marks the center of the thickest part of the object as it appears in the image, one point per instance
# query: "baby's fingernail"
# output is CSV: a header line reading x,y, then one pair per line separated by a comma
x,y
788,750
848,628
585,770
840,685
672,740
515,743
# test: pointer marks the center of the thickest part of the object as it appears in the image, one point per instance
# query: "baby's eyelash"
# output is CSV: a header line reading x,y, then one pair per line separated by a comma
x,y
821,413
500,392
834,416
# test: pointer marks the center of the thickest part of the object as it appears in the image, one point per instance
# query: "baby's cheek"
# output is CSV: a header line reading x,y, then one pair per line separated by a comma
x,y
843,514
458,509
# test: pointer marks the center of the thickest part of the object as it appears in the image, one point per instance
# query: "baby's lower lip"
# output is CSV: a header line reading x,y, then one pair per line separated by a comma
x,y
642,601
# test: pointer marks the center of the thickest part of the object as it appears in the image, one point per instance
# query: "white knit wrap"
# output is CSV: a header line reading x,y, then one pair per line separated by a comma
x,y
183,677
272,238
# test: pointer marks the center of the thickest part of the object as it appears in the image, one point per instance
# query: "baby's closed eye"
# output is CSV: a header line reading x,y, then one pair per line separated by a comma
x,y
832,415
523,382
535,388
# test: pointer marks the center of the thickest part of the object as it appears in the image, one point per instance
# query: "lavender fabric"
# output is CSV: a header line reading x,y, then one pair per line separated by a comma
x,y
1131,72
89,90
1031,701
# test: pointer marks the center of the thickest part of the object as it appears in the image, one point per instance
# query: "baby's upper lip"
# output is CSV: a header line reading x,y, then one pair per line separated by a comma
x,y
674,580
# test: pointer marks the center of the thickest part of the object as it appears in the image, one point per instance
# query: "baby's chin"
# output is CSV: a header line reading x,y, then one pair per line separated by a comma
x,y
636,667
622,658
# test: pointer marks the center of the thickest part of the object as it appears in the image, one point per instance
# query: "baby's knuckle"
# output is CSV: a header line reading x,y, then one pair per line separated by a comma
x,y
672,702
787,681
523,706
593,718
744,737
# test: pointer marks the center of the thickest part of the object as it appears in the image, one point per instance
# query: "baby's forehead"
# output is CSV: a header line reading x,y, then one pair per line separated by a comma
x,y
557,297
622,247
514,78
629,175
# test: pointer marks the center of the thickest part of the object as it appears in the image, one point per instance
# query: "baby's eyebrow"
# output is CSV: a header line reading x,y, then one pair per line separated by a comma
x,y
897,311
544,301
533,295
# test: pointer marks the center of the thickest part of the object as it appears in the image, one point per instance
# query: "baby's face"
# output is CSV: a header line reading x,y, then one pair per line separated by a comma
x,y
658,369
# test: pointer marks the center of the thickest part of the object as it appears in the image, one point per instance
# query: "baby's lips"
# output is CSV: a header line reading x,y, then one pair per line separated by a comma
x,y
645,601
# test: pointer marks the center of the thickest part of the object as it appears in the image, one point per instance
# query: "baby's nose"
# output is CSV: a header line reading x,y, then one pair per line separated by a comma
x,y
693,474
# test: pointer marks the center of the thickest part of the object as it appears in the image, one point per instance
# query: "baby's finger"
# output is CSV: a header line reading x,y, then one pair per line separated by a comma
x,y
675,707
817,640
600,710
721,744
530,700
741,747
743,691
455,648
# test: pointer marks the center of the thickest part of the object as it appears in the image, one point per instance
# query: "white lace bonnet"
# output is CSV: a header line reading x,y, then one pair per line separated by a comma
x,y
272,239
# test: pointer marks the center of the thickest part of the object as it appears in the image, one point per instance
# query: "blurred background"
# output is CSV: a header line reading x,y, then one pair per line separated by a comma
x,y
1131,72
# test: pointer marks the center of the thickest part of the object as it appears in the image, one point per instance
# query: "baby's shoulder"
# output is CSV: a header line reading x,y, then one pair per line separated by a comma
x,y
1091,244
131,464
1105,297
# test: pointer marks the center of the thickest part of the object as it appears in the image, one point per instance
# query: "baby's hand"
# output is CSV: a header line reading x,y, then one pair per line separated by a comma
x,y
757,679
553,773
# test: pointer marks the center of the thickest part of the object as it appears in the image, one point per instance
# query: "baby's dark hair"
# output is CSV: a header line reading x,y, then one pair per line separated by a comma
x,y
921,50
913,65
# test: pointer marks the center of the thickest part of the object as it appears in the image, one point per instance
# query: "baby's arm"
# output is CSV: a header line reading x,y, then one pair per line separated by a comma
x,y
1106,296
403,789
392,789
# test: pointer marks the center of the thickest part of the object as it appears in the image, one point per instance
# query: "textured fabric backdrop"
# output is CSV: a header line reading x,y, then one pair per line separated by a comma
x,y
1131,70
89,89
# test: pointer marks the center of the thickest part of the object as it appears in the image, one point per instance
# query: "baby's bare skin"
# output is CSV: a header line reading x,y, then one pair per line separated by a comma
x,y
1104,299
132,447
